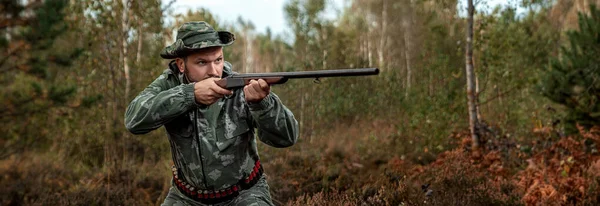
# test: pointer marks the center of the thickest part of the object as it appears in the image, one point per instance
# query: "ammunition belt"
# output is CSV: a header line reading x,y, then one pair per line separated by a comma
x,y
218,196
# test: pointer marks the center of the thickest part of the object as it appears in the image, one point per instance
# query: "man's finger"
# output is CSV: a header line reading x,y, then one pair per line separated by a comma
x,y
248,92
253,89
220,90
263,84
256,86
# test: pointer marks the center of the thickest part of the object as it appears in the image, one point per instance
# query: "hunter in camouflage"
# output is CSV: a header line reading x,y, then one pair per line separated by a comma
x,y
211,130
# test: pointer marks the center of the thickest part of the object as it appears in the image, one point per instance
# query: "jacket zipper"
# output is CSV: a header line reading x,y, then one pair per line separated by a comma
x,y
199,146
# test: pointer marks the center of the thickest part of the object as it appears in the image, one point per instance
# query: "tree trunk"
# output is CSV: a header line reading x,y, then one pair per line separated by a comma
x,y
477,92
138,57
471,97
245,59
125,30
110,146
324,40
369,45
300,96
363,47
381,47
406,25
125,62
107,126
249,62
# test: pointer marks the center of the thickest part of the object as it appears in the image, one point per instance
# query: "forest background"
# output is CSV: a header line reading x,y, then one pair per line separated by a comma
x,y
68,70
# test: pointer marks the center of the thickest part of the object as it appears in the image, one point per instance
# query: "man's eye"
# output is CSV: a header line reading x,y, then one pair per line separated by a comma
x,y
219,60
202,62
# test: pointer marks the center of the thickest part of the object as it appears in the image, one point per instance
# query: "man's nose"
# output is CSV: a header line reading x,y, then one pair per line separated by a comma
x,y
213,69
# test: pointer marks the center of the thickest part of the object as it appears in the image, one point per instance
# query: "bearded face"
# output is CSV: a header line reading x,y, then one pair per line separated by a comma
x,y
202,64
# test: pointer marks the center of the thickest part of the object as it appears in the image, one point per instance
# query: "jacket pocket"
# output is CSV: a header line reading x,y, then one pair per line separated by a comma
x,y
232,133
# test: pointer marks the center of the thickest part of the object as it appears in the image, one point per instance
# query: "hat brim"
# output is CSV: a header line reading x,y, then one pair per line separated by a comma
x,y
179,49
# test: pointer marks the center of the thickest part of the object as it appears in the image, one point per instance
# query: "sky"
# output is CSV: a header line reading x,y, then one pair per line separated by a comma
x,y
268,13
262,13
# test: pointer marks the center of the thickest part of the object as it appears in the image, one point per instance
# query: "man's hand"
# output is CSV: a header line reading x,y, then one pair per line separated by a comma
x,y
208,92
256,90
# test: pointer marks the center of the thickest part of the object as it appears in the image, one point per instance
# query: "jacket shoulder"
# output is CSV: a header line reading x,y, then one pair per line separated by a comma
x,y
228,69
168,72
168,78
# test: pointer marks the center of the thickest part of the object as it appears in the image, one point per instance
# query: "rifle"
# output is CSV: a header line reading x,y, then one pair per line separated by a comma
x,y
240,80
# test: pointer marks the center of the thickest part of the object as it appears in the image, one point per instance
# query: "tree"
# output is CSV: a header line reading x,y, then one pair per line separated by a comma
x,y
511,50
31,64
573,80
303,16
27,44
247,29
471,96
123,54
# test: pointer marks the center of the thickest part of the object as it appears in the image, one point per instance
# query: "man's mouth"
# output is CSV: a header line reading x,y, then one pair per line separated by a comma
x,y
212,76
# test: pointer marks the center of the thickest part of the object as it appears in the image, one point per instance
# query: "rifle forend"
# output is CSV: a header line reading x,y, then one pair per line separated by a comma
x,y
240,80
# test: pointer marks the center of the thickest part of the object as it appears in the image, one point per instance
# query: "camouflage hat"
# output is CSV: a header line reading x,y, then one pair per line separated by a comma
x,y
196,35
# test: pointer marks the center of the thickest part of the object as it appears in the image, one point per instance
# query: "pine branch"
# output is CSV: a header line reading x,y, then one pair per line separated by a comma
x,y
9,54
6,23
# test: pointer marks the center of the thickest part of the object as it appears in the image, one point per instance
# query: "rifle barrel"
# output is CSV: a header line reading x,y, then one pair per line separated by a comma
x,y
313,74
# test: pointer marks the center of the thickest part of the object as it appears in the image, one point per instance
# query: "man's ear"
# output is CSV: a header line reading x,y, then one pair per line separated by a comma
x,y
180,64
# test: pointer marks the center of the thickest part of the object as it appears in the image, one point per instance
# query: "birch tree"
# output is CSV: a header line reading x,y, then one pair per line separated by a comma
x,y
124,44
471,96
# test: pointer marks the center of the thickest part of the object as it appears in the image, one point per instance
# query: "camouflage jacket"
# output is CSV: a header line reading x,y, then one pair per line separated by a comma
x,y
213,146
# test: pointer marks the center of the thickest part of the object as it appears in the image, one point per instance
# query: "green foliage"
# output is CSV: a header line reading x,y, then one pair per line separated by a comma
x,y
31,64
90,100
573,80
36,53
510,49
59,94
64,95
48,24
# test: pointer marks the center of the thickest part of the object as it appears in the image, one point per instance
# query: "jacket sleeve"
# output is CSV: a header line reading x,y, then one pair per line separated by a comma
x,y
158,104
275,123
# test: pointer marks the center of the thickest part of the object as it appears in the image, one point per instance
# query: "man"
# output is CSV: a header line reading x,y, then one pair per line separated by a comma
x,y
211,129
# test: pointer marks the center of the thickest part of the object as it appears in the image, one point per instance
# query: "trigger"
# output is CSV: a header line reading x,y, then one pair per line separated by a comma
x,y
317,80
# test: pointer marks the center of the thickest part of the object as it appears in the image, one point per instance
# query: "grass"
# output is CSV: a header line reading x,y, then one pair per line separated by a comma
x,y
347,165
